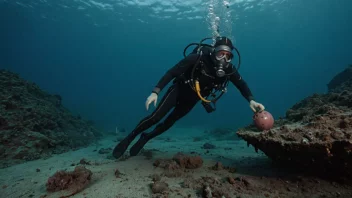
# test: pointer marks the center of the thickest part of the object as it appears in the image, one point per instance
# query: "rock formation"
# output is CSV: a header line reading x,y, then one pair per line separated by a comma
x,y
34,124
316,134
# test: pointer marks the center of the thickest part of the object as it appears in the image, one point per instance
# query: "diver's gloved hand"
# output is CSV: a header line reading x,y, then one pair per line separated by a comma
x,y
152,98
255,106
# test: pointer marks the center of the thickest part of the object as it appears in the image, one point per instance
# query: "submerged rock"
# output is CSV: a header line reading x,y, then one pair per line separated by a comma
x,y
73,182
221,134
179,164
34,124
315,136
340,78
208,146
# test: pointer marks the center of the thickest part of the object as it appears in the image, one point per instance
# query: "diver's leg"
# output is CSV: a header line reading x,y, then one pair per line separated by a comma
x,y
168,101
180,111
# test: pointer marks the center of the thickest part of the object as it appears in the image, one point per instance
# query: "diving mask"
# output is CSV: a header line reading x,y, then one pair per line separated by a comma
x,y
223,52
223,57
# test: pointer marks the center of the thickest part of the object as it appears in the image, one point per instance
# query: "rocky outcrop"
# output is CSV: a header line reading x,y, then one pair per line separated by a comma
x,y
316,134
73,182
34,124
340,78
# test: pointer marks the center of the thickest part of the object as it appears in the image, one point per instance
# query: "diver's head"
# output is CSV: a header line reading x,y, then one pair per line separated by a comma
x,y
222,55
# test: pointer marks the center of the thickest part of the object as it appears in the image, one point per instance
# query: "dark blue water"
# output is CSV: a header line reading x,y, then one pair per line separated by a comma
x,y
105,62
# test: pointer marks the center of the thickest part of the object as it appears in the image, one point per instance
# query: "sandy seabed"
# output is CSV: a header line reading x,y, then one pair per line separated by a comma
x,y
231,169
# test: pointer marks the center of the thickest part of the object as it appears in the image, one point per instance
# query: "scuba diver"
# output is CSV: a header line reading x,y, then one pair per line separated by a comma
x,y
202,73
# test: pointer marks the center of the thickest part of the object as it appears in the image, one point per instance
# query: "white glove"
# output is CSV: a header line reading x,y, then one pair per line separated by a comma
x,y
152,98
255,106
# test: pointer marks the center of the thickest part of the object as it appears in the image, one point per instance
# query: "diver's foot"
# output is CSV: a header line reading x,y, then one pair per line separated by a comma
x,y
137,147
120,149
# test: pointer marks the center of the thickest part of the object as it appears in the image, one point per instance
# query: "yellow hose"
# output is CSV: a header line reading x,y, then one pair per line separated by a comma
x,y
198,92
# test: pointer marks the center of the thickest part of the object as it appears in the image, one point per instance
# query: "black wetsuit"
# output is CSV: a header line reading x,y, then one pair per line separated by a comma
x,y
181,97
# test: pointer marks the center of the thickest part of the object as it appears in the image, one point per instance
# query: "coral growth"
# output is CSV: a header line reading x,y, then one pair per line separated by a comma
x,y
73,182
316,135
34,124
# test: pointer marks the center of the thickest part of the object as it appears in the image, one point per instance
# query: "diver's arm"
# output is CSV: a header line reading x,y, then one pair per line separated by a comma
x,y
175,71
241,85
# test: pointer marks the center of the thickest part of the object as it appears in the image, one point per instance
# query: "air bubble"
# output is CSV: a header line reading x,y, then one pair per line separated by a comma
x,y
219,18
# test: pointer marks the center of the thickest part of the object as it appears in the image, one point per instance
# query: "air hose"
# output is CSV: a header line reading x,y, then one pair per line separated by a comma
x,y
200,95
